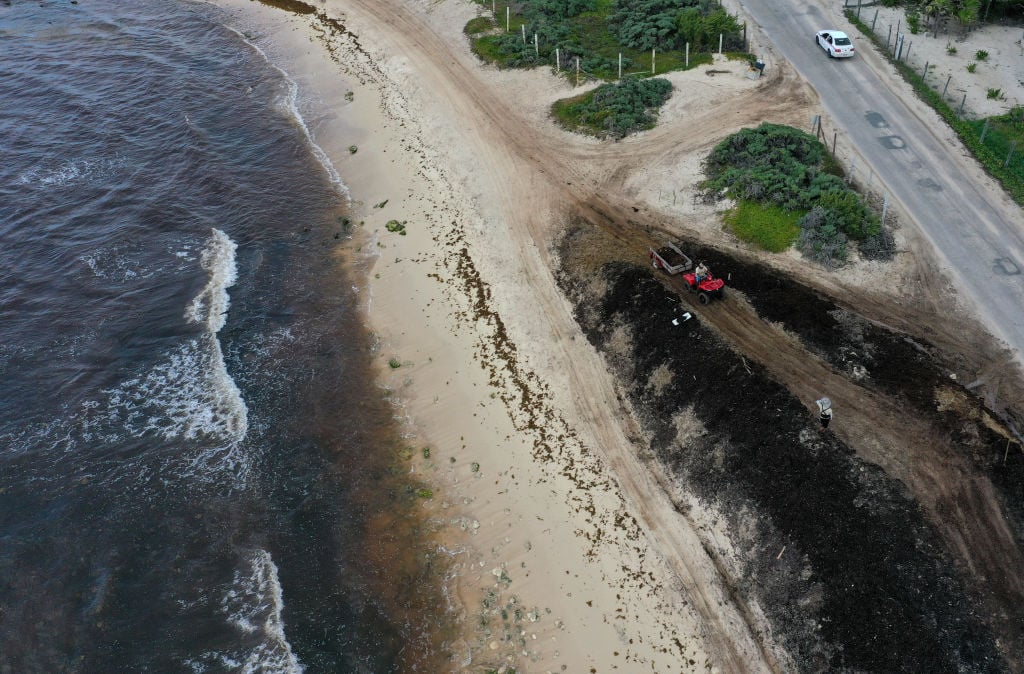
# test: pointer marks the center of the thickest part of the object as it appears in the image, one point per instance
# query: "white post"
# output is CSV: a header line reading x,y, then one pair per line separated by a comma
x,y
687,54
577,71
536,47
508,19
719,44
620,65
494,10
558,61
652,61
524,33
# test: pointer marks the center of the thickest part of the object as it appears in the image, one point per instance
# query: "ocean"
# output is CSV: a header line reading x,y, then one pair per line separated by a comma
x,y
197,470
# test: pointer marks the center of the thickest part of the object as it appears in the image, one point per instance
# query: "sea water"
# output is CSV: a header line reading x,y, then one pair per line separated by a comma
x,y
186,411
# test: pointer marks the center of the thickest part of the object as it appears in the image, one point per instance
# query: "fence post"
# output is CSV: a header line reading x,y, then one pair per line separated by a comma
x,y
508,19
984,129
524,33
746,47
858,10
577,71
946,87
558,61
906,58
873,21
835,136
687,54
536,47
924,73
1009,154
885,207
960,113
620,66
888,39
652,61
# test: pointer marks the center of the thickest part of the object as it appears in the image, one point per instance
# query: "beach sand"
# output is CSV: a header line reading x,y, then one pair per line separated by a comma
x,y
568,551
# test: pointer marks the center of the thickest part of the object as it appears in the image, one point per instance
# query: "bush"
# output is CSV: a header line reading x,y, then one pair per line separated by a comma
x,y
820,240
647,24
615,110
481,24
788,172
971,67
914,20
880,246
994,94
981,55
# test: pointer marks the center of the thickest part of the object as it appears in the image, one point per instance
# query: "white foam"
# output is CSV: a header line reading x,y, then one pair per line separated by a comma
x,y
253,604
210,306
70,171
290,104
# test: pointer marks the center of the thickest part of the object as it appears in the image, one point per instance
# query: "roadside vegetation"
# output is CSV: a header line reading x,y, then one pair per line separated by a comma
x,y
586,39
788,190
996,142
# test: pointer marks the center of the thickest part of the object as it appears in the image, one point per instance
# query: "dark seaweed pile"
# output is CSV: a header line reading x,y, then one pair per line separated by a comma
x,y
862,581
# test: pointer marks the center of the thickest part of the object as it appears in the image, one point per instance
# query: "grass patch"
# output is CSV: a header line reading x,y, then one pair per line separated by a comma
x,y
768,227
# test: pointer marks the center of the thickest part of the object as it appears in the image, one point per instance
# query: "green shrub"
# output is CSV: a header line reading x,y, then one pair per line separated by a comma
x,y
981,55
914,20
768,227
615,110
787,172
994,94
480,24
821,240
971,67
951,50
394,363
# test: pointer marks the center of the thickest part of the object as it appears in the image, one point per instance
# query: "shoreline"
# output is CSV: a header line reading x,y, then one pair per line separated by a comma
x,y
552,570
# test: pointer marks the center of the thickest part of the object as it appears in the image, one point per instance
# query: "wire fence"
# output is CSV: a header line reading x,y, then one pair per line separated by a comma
x,y
582,66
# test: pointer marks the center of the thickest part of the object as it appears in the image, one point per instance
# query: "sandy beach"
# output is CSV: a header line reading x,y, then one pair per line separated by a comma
x,y
569,552
550,518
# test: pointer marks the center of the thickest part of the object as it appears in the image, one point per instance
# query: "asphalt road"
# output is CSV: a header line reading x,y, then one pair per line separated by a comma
x,y
973,229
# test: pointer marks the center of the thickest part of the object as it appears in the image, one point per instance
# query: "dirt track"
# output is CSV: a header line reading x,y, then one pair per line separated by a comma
x,y
564,178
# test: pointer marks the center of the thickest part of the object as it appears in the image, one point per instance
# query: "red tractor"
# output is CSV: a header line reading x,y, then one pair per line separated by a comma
x,y
674,261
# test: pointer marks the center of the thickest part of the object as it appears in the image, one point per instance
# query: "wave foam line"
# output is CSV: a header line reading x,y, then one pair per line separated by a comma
x,y
291,105
254,605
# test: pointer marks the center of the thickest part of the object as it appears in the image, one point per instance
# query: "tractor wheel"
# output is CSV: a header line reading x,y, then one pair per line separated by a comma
x,y
704,298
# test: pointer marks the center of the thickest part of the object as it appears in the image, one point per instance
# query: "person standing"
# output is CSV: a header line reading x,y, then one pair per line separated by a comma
x,y
824,411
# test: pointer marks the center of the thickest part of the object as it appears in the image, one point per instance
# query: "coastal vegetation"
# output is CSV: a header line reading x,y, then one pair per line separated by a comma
x,y
788,189
595,33
614,110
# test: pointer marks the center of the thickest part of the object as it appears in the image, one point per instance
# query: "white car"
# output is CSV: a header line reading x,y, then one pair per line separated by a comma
x,y
835,42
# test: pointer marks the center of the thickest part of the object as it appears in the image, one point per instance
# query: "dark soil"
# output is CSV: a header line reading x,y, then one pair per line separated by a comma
x,y
847,568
